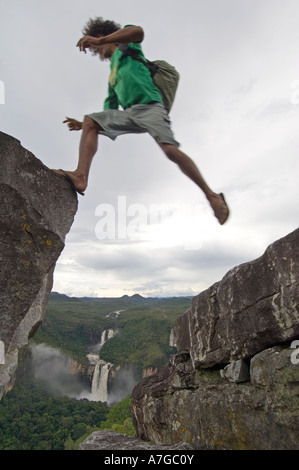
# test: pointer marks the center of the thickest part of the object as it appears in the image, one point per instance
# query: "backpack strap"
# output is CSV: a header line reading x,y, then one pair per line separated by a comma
x,y
128,52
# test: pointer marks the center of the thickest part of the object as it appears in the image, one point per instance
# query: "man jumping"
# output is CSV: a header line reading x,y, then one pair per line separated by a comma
x,y
131,87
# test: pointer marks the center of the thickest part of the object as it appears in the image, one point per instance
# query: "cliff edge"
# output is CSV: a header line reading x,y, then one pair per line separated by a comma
x,y
235,383
37,209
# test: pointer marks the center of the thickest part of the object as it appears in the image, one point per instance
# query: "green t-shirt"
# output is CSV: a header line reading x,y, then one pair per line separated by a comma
x,y
130,82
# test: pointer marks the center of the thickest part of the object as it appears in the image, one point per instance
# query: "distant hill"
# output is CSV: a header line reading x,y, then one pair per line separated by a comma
x,y
143,327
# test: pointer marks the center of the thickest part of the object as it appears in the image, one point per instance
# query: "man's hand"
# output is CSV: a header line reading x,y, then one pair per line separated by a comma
x,y
73,124
88,42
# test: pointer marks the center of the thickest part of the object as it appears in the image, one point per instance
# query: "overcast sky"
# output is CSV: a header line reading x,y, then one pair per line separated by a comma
x,y
142,226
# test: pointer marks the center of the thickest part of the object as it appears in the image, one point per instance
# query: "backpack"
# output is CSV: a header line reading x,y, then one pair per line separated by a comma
x,y
164,75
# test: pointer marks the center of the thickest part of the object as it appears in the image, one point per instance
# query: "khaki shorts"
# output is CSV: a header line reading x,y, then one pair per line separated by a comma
x,y
140,118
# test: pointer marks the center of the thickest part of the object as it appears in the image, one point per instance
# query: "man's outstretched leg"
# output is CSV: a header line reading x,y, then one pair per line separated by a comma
x,y
87,149
188,167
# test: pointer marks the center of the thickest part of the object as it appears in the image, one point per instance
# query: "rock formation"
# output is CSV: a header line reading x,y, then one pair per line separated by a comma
x,y
110,440
235,383
37,209
253,307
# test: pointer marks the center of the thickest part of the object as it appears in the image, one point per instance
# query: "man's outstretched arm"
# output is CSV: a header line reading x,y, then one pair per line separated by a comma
x,y
122,36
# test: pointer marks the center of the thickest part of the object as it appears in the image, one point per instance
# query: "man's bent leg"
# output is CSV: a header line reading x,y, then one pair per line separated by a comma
x,y
189,168
87,149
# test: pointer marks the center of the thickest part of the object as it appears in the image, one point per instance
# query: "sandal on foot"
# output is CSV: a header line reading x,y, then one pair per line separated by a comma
x,y
223,211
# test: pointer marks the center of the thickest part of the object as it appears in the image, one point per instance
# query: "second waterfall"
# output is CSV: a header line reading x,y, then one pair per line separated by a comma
x,y
99,385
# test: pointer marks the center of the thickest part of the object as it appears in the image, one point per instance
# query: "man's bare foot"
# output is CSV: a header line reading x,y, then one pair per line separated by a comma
x,y
219,207
76,180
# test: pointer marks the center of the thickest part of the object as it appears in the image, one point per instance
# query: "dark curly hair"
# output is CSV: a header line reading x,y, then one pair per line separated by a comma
x,y
99,26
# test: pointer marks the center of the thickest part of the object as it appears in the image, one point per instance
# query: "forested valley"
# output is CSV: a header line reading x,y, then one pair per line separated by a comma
x,y
35,417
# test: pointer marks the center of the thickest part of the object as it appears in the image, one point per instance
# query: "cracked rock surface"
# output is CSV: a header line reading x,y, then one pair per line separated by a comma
x,y
37,209
110,440
235,383
253,307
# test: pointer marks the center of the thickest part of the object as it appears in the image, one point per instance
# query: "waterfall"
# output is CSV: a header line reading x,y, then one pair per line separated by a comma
x,y
103,382
102,342
107,334
99,386
95,378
